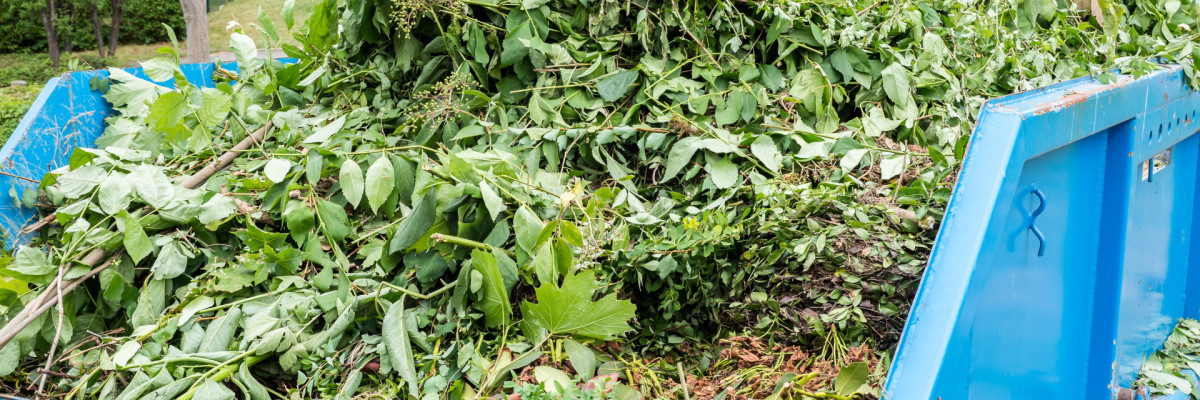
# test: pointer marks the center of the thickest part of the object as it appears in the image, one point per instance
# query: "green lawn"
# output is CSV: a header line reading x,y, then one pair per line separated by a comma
x,y
245,12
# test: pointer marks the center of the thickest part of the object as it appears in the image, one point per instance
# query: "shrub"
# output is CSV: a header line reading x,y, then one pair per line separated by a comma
x,y
14,101
141,23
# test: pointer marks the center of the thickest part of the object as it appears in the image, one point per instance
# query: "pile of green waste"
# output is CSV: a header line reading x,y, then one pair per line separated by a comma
x,y
552,199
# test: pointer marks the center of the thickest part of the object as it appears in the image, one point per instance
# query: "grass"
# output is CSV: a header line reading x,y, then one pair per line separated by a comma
x,y
245,12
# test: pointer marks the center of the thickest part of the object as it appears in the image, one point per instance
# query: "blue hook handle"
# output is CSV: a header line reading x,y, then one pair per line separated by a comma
x,y
1028,222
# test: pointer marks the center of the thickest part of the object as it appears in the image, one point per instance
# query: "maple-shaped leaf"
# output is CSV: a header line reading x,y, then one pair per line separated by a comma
x,y
570,309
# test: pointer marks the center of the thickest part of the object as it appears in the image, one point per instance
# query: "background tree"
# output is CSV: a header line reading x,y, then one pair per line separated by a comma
x,y
49,22
196,17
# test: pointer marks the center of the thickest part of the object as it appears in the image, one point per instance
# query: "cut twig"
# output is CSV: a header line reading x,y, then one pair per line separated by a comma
x,y
675,9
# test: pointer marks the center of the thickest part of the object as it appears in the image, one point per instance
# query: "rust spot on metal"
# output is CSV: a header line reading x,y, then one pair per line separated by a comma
x,y
1070,99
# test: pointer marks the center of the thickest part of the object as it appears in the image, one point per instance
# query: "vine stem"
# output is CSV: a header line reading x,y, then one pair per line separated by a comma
x,y
455,240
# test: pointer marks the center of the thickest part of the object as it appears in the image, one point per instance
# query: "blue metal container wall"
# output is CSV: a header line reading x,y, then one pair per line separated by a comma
x,y
1065,257
66,114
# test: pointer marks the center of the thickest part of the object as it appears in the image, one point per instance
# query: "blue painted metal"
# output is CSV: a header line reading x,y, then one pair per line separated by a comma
x,y
66,114
1065,303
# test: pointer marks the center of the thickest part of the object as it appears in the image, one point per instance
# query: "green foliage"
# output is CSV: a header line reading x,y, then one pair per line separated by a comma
x,y
14,102
141,23
1170,369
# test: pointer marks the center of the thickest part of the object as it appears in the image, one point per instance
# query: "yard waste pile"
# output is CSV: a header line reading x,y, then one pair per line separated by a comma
x,y
550,199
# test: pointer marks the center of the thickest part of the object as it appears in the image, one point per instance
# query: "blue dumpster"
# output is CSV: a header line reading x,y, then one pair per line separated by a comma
x,y
67,114
1066,254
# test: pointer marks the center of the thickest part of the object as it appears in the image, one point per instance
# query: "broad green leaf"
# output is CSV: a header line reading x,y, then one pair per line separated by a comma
x,y
896,84
381,179
214,107
211,390
852,158
493,202
527,227
765,150
583,360
31,261
850,378
723,171
571,234
220,332
216,208
514,47
277,169
395,339
553,380
325,132
9,358
244,50
253,390
613,87
167,111
79,182
495,305
115,193
771,77
416,223
892,166
171,262
679,157
333,219
544,264
351,178
267,25
137,244
569,309
288,7
160,69
732,109
153,186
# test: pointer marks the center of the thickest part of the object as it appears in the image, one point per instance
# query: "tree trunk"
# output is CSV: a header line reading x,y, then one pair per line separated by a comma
x,y
116,27
95,15
48,17
197,30
67,38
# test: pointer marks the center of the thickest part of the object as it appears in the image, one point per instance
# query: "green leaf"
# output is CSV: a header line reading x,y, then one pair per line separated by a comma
x,y
114,194
852,158
351,178
395,339
211,390
527,227
244,50
299,218
268,26
277,169
583,360
765,150
514,47
171,262
325,132
571,233
496,308
9,357
288,19
160,69
493,202
416,223
679,157
614,87
528,4
732,109
153,186
723,171
80,182
850,378
167,111
219,334
771,77
896,84
214,107
544,264
892,166
137,244
553,380
569,309
333,220
381,179
31,261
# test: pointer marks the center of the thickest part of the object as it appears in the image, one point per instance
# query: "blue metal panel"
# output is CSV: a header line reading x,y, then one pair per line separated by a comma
x,y
1065,255
66,114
